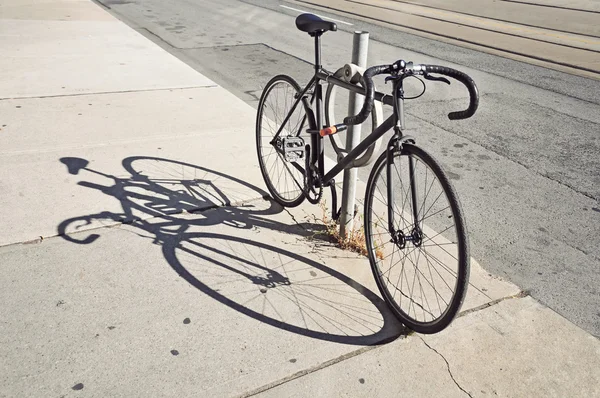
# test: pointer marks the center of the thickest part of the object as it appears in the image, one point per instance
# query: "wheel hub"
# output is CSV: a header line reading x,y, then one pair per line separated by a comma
x,y
400,239
416,237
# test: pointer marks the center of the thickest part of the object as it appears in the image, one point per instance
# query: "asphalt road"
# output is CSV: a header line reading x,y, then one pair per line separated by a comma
x,y
566,39
526,166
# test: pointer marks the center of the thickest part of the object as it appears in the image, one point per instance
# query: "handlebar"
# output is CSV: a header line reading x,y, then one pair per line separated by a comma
x,y
403,69
466,81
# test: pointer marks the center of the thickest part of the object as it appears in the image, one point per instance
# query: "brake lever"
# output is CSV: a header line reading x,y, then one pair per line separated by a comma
x,y
436,78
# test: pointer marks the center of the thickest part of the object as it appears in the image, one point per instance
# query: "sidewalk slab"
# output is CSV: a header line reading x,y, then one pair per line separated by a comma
x,y
186,126
241,298
517,348
63,10
48,51
524,349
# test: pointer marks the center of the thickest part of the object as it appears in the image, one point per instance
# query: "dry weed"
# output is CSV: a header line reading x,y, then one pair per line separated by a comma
x,y
356,242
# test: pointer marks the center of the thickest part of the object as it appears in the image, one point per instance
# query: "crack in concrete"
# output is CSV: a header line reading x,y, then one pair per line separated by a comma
x,y
294,218
106,92
447,366
130,221
566,184
306,372
521,294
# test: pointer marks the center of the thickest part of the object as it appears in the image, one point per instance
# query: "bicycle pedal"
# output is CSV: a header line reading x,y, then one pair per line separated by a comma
x,y
293,148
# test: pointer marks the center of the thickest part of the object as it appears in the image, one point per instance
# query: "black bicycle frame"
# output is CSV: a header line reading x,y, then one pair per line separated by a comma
x,y
395,121
316,144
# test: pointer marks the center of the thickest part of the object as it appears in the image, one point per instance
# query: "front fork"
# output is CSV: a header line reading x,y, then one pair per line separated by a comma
x,y
400,236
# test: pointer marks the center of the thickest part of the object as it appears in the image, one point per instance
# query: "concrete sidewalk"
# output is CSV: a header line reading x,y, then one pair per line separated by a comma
x,y
119,280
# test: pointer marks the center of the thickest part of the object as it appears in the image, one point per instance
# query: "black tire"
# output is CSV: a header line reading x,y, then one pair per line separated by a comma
x,y
435,252
284,179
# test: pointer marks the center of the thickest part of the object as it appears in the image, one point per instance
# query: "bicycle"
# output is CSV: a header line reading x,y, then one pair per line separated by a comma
x,y
423,238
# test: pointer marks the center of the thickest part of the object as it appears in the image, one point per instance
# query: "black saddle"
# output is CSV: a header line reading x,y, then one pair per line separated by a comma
x,y
314,25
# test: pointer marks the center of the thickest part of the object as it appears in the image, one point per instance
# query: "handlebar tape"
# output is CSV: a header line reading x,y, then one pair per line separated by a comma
x,y
464,79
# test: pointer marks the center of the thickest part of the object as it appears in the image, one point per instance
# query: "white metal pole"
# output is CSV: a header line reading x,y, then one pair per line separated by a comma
x,y
360,46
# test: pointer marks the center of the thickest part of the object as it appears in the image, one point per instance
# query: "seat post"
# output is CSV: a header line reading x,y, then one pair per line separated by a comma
x,y
318,51
317,148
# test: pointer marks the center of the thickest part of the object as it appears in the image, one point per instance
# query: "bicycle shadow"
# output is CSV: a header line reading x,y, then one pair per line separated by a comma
x,y
174,203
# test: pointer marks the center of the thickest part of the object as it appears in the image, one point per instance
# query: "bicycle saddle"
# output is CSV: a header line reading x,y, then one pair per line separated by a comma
x,y
312,24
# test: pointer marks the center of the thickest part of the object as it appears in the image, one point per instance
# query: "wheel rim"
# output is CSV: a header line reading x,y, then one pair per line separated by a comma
x,y
284,180
420,268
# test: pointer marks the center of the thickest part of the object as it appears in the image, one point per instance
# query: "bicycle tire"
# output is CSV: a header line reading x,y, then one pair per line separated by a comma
x,y
290,192
431,253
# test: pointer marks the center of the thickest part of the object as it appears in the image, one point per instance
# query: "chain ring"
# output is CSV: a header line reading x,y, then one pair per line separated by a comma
x,y
317,198
310,193
309,189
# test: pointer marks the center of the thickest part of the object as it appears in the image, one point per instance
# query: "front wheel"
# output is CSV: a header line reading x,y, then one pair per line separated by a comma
x,y
284,177
420,255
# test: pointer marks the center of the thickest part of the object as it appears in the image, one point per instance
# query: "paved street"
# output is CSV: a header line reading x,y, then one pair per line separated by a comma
x,y
563,37
526,167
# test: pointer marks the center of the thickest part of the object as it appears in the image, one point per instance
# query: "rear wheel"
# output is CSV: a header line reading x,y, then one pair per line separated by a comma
x,y
421,262
284,177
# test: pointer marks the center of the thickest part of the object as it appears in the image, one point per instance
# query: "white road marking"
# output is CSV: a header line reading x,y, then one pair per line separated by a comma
x,y
320,16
